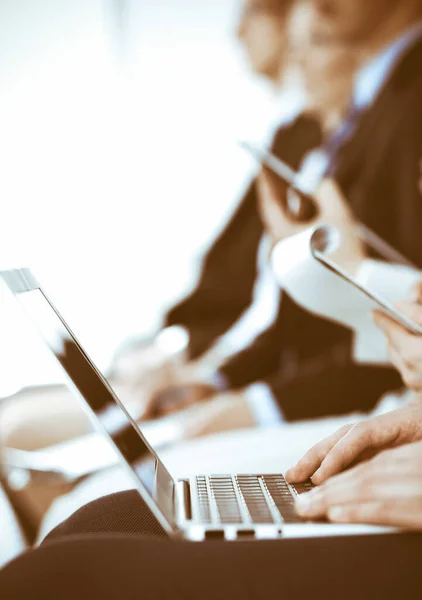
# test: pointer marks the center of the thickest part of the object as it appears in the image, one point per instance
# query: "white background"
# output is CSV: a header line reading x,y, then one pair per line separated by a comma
x,y
118,157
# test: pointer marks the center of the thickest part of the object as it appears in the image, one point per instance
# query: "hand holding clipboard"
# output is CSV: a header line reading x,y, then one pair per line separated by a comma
x,y
308,215
301,207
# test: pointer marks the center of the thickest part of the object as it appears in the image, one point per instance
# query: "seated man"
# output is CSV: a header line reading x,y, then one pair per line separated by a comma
x,y
306,363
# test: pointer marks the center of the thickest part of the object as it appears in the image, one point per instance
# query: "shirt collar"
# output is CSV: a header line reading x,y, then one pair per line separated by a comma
x,y
371,78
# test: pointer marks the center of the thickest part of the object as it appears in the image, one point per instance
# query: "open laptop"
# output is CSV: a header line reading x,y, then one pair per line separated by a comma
x,y
206,506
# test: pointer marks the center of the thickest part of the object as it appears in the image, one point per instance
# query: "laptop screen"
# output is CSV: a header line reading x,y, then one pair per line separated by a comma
x,y
109,411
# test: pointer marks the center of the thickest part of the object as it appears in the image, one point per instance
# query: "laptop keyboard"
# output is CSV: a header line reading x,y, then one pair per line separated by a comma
x,y
247,499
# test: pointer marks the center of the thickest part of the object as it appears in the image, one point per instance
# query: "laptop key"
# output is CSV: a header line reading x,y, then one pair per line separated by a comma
x,y
255,499
282,496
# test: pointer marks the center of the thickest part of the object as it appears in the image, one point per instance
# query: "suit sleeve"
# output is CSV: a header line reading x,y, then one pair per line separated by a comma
x,y
332,389
406,164
307,365
385,191
225,287
260,359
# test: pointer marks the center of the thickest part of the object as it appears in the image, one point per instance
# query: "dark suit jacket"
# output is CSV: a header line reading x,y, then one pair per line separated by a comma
x,y
229,269
379,172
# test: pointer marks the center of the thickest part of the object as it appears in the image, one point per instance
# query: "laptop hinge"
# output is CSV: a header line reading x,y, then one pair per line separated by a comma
x,y
184,503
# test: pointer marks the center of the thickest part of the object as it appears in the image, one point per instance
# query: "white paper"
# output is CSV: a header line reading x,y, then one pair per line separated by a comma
x,y
326,293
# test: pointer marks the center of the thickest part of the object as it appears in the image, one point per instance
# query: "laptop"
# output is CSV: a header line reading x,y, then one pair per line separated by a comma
x,y
203,507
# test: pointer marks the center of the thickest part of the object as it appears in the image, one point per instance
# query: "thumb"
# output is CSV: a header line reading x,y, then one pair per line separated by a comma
x,y
331,201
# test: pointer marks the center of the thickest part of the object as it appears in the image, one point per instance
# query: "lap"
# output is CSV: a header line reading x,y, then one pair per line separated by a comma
x,y
121,513
103,551
126,567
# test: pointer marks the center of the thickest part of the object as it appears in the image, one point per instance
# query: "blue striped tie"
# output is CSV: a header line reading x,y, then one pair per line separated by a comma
x,y
343,134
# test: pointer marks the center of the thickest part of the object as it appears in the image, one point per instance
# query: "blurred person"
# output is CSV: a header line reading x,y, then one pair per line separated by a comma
x,y
320,61
209,308
261,34
375,157
262,37
226,292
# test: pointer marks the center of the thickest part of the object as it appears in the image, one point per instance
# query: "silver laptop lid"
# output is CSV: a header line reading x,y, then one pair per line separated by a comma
x,y
106,410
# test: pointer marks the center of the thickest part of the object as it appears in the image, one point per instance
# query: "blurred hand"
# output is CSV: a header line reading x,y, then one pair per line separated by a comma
x,y
386,490
144,366
404,348
174,398
133,362
225,412
332,210
152,384
357,442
